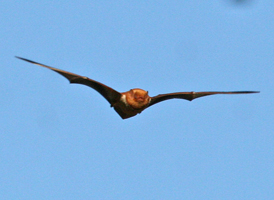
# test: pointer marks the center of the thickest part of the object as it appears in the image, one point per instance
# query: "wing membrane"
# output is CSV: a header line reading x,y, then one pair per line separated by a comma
x,y
108,93
190,95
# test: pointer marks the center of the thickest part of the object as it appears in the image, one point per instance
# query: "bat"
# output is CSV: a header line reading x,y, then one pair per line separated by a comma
x,y
133,102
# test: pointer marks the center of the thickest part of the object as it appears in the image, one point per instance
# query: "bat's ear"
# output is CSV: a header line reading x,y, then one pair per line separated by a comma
x,y
147,92
131,92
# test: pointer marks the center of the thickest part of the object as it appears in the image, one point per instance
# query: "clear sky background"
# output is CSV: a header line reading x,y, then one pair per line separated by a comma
x,y
62,141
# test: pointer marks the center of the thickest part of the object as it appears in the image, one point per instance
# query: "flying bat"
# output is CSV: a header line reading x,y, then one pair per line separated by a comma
x,y
133,102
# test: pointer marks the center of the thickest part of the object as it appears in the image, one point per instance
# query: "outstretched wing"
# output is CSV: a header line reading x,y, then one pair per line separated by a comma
x,y
111,95
190,95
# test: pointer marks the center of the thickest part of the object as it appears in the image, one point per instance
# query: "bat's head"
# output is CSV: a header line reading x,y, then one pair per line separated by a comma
x,y
137,98
139,95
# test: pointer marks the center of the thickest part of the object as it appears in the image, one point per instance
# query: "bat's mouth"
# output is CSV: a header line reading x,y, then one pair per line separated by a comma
x,y
140,99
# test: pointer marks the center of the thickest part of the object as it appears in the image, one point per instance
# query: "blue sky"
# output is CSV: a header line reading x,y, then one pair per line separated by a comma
x,y
62,141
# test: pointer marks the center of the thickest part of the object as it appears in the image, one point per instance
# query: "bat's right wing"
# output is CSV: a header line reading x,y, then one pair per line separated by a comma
x,y
190,95
111,95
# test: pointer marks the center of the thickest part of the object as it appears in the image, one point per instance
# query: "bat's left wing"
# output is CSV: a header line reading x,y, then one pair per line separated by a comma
x,y
111,95
190,95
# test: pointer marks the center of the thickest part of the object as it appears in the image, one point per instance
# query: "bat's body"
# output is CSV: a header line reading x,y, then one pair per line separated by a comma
x,y
129,104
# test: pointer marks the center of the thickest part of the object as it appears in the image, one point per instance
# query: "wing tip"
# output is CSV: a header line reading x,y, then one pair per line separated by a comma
x,y
251,92
26,59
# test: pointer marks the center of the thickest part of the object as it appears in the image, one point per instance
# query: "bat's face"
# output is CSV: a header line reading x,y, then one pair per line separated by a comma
x,y
137,98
